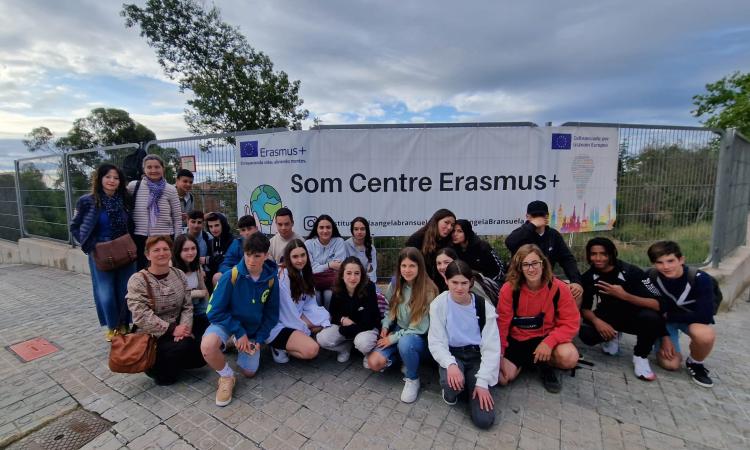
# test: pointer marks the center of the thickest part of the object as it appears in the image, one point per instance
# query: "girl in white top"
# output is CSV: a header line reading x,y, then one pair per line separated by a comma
x,y
465,343
299,314
326,251
185,257
360,245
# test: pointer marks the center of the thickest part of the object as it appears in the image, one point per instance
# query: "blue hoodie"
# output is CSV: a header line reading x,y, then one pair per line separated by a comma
x,y
233,256
247,307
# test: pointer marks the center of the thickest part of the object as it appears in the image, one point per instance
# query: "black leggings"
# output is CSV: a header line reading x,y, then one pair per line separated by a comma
x,y
646,324
173,357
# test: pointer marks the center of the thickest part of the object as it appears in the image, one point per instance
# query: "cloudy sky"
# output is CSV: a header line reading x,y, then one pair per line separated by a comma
x,y
382,62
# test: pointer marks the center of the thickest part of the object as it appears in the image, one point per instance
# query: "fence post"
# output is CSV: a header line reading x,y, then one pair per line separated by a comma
x,y
68,198
19,201
721,200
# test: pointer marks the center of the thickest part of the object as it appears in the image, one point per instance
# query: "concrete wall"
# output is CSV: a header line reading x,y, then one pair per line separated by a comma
x,y
44,253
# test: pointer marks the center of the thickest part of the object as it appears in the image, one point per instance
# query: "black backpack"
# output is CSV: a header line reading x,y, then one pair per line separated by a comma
x,y
489,286
653,275
132,165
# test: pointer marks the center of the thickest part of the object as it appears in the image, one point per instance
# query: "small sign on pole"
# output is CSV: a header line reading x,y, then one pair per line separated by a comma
x,y
188,162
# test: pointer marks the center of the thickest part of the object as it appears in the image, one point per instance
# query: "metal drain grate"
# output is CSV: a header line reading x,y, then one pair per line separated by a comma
x,y
71,431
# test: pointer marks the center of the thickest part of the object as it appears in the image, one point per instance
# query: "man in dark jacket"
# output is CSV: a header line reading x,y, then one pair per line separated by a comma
x,y
536,231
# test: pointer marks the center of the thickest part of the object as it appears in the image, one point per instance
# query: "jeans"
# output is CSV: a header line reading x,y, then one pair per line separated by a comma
x,y
246,361
109,294
411,348
468,360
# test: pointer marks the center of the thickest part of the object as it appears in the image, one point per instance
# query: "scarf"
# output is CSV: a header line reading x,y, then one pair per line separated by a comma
x,y
155,189
114,207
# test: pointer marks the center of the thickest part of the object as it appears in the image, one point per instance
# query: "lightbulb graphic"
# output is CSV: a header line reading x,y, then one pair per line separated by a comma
x,y
582,168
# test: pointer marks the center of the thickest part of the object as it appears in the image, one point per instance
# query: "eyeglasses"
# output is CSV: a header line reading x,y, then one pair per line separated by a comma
x,y
531,265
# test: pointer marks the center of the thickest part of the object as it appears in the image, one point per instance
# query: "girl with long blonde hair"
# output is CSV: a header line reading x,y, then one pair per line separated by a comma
x,y
404,331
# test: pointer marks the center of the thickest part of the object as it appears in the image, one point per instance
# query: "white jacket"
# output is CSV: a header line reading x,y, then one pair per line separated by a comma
x,y
291,312
489,346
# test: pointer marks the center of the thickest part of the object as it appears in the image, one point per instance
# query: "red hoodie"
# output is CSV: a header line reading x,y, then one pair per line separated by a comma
x,y
559,328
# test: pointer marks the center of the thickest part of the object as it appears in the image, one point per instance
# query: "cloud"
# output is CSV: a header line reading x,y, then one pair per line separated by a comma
x,y
362,62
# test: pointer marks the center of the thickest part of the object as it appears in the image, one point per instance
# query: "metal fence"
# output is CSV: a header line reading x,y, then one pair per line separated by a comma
x,y
10,226
215,182
666,181
732,196
666,188
42,188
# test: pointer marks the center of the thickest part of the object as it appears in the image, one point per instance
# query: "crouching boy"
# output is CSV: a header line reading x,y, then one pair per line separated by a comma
x,y
688,306
245,304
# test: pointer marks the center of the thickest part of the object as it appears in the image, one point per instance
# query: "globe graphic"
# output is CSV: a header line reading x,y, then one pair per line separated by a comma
x,y
264,202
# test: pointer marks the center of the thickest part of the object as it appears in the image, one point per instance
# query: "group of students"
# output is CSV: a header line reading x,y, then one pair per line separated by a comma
x,y
203,291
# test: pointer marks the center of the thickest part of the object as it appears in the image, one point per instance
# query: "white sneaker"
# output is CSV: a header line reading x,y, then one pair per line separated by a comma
x,y
343,357
365,364
411,389
643,369
612,347
279,356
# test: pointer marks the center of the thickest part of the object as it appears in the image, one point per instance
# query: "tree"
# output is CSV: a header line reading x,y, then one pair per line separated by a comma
x,y
101,128
726,103
234,86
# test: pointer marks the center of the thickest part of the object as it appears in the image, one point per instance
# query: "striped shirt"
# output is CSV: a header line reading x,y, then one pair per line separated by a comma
x,y
169,221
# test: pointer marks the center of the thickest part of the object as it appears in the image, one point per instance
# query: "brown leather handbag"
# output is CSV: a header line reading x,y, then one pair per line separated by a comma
x,y
134,352
116,253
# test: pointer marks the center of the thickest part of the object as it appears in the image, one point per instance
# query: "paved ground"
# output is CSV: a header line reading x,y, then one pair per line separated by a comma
x,y
324,404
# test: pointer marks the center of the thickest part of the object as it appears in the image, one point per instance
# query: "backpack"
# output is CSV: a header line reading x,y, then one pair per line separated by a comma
x,y
653,275
489,286
132,165
481,316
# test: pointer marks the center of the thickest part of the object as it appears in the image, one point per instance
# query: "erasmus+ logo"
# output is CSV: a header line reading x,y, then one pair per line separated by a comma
x,y
249,149
561,141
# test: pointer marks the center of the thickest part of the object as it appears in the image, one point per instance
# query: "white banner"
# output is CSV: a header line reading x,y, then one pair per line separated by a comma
x,y
397,177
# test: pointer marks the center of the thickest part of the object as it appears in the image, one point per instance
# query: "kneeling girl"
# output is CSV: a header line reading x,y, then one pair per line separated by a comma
x,y
465,342
404,328
299,313
538,318
354,312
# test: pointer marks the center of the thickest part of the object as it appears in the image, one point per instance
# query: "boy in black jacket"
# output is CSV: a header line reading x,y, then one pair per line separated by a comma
x,y
687,306
536,231
625,302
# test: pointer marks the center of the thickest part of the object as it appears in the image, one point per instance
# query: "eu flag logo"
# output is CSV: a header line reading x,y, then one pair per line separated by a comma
x,y
249,149
561,141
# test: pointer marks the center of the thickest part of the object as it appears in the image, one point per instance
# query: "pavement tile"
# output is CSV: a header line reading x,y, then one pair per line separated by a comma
x,y
326,404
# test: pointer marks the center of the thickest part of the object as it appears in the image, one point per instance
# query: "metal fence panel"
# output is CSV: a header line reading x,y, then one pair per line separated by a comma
x,y
732,196
215,182
10,226
82,164
665,190
41,185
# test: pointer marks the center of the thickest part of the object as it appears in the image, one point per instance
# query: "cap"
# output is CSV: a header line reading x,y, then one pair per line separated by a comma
x,y
537,208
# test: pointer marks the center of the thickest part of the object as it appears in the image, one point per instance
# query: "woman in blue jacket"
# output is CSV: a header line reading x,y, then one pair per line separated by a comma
x,y
99,217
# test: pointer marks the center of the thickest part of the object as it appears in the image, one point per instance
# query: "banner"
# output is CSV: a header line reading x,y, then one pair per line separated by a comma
x,y
398,177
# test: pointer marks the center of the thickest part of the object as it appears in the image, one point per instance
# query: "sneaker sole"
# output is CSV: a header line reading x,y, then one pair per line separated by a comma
x,y
701,384
644,378
218,403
